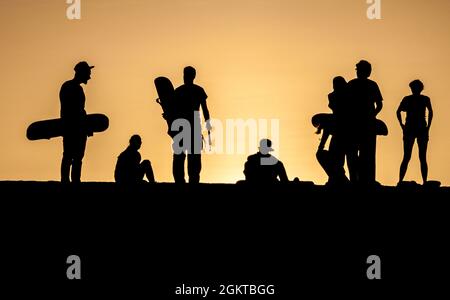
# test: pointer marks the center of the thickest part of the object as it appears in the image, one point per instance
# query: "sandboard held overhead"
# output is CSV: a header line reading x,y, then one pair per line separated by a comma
x,y
52,128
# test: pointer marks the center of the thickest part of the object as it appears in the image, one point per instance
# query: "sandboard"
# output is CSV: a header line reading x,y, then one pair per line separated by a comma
x,y
52,128
166,95
327,121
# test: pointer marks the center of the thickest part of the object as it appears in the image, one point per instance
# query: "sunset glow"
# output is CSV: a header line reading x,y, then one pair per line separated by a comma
x,y
256,59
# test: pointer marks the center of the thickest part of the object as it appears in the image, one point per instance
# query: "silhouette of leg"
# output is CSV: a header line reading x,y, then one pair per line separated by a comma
x,y
408,143
147,169
337,159
423,145
371,160
76,171
352,162
79,148
65,169
323,157
67,158
367,159
194,167
178,167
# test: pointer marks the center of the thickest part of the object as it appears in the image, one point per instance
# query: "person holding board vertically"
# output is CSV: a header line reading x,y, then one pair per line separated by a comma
x,y
189,97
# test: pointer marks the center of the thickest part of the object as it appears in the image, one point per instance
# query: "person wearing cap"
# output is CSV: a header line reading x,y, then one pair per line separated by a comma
x,y
264,168
365,102
73,115
129,168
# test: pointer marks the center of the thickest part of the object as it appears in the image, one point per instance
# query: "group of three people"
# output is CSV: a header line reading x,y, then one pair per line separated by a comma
x,y
354,128
129,168
355,106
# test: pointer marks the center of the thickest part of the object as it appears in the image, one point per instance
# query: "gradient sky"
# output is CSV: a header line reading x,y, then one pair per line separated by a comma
x,y
255,58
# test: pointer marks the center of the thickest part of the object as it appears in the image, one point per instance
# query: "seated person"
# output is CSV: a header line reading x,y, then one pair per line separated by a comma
x,y
129,168
263,167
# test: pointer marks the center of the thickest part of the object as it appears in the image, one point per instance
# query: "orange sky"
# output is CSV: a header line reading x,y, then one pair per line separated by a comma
x,y
261,59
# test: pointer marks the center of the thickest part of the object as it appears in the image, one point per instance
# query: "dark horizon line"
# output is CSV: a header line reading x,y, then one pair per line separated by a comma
x,y
291,183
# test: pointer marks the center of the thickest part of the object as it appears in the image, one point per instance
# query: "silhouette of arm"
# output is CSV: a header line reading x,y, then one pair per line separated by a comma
x,y
206,116
282,172
205,110
63,98
399,114
331,102
378,100
430,113
249,170
323,140
378,107
203,104
402,107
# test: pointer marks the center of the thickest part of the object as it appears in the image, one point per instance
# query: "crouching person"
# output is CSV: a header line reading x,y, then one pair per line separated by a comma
x,y
129,168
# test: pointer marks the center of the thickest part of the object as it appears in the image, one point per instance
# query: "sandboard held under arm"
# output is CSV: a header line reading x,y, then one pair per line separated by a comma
x,y
327,121
52,128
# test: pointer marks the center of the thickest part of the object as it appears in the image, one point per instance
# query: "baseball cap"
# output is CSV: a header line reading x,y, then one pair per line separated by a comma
x,y
81,66
266,144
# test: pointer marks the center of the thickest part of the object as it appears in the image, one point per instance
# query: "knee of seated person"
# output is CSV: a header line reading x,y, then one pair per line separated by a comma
x,y
146,162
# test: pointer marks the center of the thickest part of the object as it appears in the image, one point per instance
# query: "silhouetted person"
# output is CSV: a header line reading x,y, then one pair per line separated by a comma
x,y
365,103
337,98
188,99
331,160
129,168
73,117
339,103
264,168
415,127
